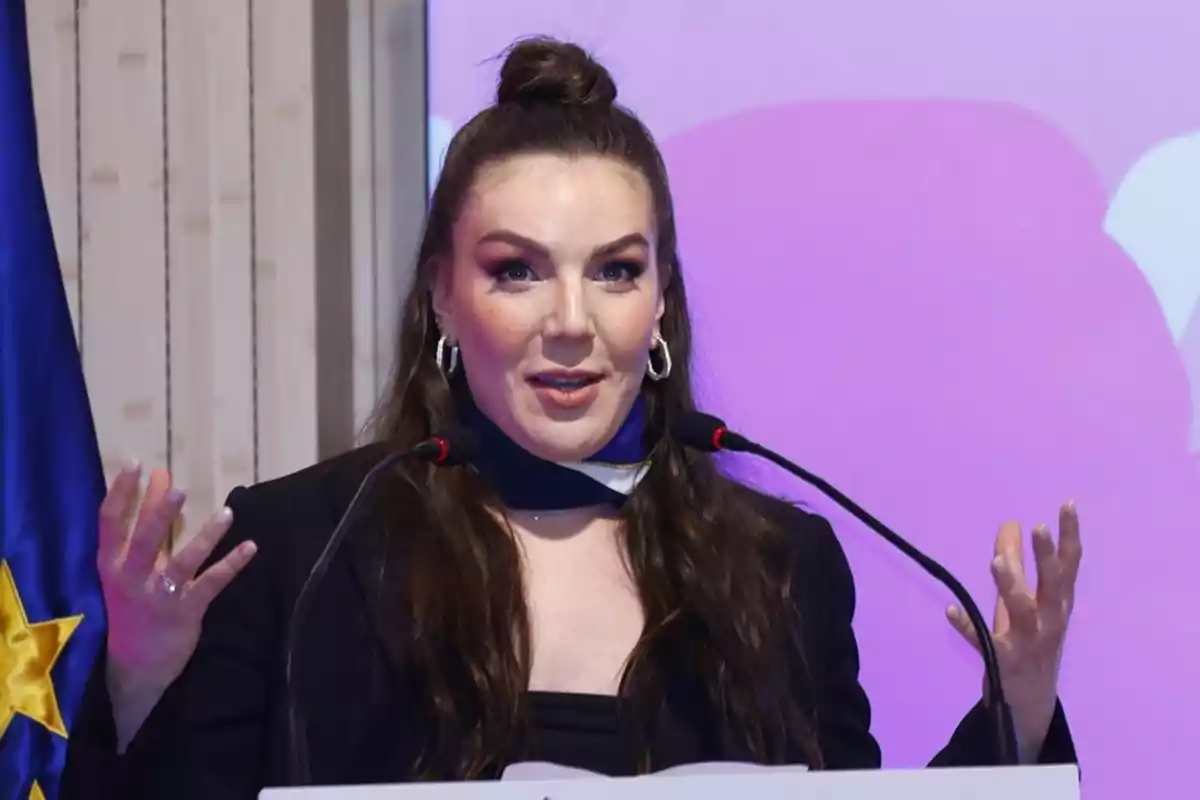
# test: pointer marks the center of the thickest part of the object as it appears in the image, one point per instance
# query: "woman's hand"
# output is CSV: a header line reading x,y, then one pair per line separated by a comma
x,y
1030,626
155,602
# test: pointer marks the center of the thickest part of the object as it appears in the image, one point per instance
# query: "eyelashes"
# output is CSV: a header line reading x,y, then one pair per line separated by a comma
x,y
621,270
515,270
511,270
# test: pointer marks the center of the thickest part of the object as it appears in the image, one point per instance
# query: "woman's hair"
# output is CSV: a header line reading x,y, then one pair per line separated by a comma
x,y
713,574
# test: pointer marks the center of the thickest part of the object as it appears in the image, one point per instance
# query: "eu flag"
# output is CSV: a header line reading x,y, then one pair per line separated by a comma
x,y
51,483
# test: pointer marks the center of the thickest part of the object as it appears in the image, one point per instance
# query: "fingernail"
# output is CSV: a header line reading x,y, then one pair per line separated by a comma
x,y
1070,507
131,466
224,516
998,564
1042,530
176,497
247,548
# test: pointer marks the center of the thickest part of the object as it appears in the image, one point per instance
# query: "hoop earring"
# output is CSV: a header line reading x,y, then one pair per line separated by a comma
x,y
446,363
659,374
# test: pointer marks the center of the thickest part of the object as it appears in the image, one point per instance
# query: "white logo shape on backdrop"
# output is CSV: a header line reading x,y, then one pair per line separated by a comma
x,y
441,131
1155,217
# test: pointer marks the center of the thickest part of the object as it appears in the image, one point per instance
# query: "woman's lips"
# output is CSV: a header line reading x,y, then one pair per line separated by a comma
x,y
566,389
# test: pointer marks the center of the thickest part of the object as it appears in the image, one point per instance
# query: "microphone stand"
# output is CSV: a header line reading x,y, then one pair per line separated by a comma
x,y
450,448
1006,738
298,766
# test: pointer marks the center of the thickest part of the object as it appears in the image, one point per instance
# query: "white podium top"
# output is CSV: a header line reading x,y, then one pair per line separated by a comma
x,y
977,783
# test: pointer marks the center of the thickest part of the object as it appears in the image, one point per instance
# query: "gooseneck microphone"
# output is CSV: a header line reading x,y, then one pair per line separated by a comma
x,y
446,449
709,434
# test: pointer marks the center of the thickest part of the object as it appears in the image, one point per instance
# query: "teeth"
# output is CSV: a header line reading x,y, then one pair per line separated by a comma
x,y
564,383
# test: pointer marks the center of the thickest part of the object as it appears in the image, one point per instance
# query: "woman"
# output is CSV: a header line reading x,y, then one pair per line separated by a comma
x,y
588,593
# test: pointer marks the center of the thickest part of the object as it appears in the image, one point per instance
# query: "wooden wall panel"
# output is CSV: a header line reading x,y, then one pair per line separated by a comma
x,y
285,258
237,188
123,258
399,131
52,55
363,180
334,228
209,249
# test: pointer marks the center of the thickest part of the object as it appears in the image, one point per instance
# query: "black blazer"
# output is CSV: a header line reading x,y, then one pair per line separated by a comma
x,y
220,730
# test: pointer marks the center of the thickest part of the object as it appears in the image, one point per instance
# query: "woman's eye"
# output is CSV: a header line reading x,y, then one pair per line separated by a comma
x,y
620,271
512,271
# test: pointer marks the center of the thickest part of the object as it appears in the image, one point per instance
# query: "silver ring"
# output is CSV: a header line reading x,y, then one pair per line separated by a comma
x,y
169,586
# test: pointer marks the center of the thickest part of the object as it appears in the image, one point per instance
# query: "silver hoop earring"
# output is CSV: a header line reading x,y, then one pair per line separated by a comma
x,y
446,356
659,344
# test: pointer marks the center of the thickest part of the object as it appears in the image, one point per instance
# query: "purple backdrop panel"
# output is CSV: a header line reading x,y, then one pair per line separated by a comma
x,y
917,301
950,261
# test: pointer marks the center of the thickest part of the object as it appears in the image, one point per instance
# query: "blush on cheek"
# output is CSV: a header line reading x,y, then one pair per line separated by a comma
x,y
494,341
499,329
628,338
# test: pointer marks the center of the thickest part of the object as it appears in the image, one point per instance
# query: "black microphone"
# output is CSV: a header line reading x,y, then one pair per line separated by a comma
x,y
446,449
709,434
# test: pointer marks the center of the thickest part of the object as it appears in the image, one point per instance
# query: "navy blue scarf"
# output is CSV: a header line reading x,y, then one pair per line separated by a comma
x,y
526,482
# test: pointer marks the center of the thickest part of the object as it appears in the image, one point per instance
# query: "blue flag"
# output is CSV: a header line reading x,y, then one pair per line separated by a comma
x,y
51,483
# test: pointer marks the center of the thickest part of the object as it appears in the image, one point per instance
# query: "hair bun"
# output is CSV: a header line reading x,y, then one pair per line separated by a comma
x,y
548,72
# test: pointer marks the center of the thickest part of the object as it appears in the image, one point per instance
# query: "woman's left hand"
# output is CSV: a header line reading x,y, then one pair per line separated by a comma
x,y
1030,625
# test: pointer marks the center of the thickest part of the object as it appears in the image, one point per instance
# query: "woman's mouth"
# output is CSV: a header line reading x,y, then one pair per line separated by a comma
x,y
566,389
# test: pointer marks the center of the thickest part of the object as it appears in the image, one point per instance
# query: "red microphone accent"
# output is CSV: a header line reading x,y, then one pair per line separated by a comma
x,y
716,440
443,450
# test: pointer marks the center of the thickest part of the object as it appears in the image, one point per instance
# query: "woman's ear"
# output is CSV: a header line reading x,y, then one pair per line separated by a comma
x,y
660,309
663,282
441,297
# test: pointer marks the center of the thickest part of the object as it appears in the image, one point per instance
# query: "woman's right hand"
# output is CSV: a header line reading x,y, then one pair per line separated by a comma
x,y
155,601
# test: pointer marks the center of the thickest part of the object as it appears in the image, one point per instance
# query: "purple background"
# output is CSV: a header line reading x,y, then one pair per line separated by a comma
x,y
949,260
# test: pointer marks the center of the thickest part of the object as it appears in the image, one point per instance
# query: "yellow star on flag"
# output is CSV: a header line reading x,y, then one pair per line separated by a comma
x,y
27,654
36,792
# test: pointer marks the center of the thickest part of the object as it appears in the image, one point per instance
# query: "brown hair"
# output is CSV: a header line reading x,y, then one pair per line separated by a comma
x,y
712,572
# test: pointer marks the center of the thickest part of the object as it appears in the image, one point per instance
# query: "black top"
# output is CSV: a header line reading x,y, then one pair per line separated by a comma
x,y
578,730
220,730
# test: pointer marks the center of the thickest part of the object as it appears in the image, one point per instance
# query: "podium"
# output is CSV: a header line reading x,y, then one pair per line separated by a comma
x,y
1058,782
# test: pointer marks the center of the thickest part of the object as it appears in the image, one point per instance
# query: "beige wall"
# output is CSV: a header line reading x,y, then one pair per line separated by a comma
x,y
236,187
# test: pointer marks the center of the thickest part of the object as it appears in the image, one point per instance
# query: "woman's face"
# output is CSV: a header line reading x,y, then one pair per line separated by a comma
x,y
553,296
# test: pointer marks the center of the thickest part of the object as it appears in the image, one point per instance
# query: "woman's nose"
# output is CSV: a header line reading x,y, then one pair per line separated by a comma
x,y
570,316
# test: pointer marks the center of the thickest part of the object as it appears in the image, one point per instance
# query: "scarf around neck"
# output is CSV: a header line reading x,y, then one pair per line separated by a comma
x,y
526,482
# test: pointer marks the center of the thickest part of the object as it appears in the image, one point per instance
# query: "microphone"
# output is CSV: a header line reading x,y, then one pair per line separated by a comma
x,y
449,448
709,434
